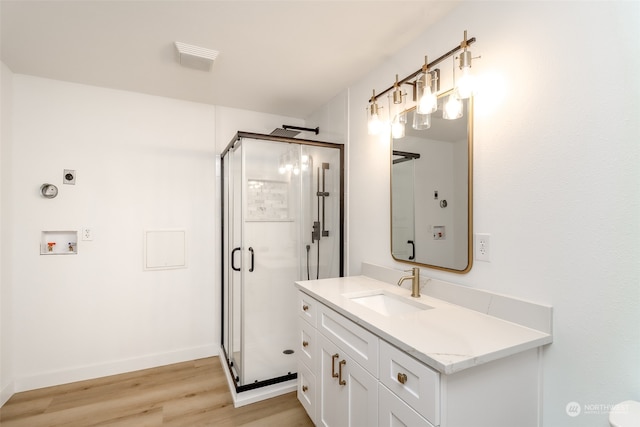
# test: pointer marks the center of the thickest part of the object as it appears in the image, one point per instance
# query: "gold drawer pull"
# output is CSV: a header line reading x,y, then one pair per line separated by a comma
x,y
305,343
402,378
305,307
340,365
333,365
304,388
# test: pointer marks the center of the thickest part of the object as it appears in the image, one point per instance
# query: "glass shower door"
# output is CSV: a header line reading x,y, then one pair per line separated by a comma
x,y
270,260
232,242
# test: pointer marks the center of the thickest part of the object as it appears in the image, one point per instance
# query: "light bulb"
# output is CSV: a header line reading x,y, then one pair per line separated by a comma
x,y
453,107
397,128
466,81
427,99
281,170
428,103
375,124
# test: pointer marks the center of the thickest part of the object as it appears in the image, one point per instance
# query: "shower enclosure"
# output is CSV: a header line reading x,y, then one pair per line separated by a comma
x,y
282,221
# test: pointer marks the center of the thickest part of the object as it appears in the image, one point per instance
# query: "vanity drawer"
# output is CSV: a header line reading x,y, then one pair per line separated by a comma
x,y
360,344
308,308
392,411
307,344
412,381
307,390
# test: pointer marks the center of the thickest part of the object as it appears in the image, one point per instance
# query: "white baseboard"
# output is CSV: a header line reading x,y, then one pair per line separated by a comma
x,y
6,393
81,373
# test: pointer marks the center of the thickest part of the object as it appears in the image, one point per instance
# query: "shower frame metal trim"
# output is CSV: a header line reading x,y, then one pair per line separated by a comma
x,y
299,141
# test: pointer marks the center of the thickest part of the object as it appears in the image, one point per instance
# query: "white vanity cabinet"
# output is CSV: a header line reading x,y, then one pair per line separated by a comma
x,y
349,376
337,368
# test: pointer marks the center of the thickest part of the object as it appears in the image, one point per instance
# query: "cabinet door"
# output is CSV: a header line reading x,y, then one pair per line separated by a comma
x,y
348,393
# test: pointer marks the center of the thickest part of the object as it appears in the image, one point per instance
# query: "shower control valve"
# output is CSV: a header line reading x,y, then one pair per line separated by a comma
x,y
315,234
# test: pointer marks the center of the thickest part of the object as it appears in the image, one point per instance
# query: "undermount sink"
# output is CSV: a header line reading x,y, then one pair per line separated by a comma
x,y
388,304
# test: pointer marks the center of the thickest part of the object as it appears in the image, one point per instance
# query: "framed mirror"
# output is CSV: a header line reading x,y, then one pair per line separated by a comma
x,y
431,191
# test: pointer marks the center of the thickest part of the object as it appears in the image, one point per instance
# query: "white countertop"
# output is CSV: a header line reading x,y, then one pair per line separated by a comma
x,y
448,337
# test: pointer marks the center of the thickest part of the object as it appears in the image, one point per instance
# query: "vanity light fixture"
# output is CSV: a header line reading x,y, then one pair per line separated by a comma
x,y
397,109
466,81
425,82
425,92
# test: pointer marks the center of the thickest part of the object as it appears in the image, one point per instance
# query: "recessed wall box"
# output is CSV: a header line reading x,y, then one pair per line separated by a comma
x,y
59,242
69,177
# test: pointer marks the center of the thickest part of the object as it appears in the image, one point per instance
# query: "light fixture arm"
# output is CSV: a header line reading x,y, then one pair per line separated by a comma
x,y
463,45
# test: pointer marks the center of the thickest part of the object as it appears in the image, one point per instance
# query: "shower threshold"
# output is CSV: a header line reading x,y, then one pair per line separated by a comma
x,y
255,392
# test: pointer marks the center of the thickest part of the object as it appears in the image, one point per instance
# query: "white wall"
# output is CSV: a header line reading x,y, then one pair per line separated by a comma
x,y
556,181
142,162
6,333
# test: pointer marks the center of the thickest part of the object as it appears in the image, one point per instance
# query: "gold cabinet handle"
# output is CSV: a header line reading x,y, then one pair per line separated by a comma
x,y
305,307
333,365
305,343
340,365
304,388
402,378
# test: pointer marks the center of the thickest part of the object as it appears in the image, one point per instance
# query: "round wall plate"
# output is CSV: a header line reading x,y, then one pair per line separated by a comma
x,y
49,191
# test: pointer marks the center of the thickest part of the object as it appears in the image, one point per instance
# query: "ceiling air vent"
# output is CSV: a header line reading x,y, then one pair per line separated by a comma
x,y
196,57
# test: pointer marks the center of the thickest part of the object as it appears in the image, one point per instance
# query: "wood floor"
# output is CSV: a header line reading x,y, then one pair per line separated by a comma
x,y
185,394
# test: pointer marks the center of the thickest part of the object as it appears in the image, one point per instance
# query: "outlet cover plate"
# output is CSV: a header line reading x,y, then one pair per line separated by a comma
x,y
87,233
483,247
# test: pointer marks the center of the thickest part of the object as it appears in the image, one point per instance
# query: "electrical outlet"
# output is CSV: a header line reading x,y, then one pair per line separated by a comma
x,y
483,247
87,233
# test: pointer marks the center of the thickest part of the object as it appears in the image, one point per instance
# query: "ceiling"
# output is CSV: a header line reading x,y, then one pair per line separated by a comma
x,y
279,57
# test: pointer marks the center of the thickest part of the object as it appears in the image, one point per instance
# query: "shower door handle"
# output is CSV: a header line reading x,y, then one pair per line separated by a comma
x,y
413,249
252,256
233,253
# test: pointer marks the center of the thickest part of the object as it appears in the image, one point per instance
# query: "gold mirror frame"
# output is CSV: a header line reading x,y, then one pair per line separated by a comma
x,y
469,240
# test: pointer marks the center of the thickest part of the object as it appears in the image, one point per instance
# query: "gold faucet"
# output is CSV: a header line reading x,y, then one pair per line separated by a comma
x,y
415,282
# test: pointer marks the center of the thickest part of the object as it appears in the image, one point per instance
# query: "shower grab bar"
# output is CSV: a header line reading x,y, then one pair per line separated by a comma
x,y
252,259
233,253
